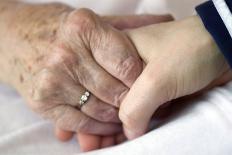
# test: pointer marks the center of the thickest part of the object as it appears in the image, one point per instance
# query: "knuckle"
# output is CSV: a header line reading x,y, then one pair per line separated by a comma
x,y
45,109
129,69
44,85
60,57
107,115
79,21
118,97
38,107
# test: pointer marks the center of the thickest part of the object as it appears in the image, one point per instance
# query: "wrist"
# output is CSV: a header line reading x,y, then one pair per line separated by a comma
x,y
205,42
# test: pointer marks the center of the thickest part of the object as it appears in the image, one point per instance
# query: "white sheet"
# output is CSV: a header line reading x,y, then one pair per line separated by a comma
x,y
203,127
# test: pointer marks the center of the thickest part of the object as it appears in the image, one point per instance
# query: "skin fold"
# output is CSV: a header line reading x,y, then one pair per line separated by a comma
x,y
181,59
52,53
174,69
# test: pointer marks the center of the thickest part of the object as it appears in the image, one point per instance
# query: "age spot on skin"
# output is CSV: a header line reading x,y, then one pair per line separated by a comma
x,y
21,78
40,58
2,9
26,36
54,33
29,68
15,61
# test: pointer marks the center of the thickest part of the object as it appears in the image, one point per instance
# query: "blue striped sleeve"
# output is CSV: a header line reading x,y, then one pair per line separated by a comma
x,y
229,4
215,26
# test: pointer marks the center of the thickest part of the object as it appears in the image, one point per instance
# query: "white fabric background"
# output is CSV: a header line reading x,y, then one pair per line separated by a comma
x,y
202,127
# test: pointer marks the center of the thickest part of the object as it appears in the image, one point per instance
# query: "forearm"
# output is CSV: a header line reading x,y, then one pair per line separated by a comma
x,y
25,29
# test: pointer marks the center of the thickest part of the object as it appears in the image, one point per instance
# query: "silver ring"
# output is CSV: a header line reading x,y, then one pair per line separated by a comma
x,y
84,98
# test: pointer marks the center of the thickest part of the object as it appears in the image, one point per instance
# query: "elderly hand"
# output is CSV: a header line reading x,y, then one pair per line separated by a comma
x,y
89,141
181,58
61,53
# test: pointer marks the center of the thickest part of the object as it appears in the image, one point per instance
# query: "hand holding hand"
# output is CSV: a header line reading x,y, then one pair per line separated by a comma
x,y
90,142
181,58
60,53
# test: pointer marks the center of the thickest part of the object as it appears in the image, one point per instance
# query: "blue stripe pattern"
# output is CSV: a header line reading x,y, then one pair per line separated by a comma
x,y
216,27
229,4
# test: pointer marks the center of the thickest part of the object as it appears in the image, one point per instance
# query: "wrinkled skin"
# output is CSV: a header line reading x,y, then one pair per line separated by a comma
x,y
126,68
181,59
82,43
60,53
91,142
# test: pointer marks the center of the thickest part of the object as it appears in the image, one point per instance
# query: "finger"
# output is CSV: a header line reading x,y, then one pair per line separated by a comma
x,y
117,55
120,138
70,93
70,119
146,95
110,48
125,63
63,135
89,142
104,86
94,107
135,21
107,141
79,28
100,111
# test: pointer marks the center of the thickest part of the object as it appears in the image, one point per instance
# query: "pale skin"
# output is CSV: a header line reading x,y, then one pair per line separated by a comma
x,y
59,52
52,53
181,59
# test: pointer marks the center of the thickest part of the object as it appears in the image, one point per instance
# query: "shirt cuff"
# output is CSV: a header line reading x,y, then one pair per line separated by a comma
x,y
215,26
225,13
229,4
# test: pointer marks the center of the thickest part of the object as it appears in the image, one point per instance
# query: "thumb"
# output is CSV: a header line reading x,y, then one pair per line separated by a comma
x,y
144,98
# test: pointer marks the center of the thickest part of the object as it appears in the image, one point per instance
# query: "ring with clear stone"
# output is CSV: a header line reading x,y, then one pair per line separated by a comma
x,y
84,98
